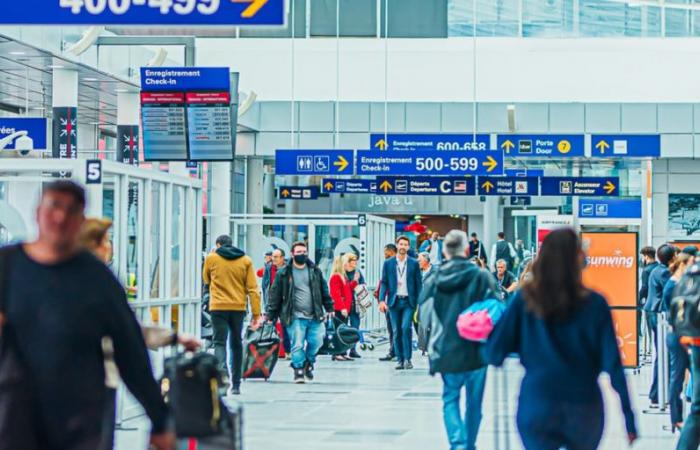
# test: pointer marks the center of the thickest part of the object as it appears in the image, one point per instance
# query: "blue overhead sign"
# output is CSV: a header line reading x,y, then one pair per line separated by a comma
x,y
630,145
610,208
297,193
438,142
425,185
338,186
580,186
379,163
513,186
16,130
314,162
143,12
182,79
542,145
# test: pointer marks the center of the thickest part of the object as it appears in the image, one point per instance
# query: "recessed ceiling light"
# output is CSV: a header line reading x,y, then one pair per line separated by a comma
x,y
56,66
121,90
39,108
95,123
89,79
17,53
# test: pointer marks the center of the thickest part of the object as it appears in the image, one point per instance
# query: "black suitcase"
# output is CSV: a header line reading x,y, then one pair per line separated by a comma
x,y
260,352
339,338
230,436
190,386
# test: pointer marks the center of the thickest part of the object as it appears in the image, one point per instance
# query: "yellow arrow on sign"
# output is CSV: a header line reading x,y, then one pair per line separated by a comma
x,y
252,10
386,186
341,164
328,186
609,187
490,164
487,186
602,146
381,144
507,145
285,193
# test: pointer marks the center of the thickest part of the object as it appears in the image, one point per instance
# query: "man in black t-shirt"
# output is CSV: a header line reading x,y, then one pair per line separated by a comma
x,y
60,302
506,280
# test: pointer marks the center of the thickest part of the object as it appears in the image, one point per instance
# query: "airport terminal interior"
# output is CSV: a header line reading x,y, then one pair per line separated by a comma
x,y
219,135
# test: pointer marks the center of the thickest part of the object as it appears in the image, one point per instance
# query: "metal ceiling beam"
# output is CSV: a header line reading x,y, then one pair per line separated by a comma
x,y
186,41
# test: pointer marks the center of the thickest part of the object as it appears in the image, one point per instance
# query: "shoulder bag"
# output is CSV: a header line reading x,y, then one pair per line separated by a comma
x,y
18,427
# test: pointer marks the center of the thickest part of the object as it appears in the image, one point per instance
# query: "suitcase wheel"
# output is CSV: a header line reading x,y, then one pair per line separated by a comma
x,y
363,347
371,347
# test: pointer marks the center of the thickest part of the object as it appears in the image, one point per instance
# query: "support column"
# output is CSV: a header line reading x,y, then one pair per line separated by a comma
x,y
645,230
65,114
254,205
269,190
220,200
128,111
492,224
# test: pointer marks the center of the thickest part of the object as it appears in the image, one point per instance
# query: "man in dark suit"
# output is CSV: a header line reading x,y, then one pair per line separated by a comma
x,y
401,286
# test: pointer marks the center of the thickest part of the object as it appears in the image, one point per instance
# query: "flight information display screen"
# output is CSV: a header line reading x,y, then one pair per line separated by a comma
x,y
164,126
209,126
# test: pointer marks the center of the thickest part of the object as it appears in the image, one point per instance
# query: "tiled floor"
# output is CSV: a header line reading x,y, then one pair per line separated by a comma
x,y
366,404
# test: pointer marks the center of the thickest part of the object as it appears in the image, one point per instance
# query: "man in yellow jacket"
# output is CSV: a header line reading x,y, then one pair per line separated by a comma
x,y
232,284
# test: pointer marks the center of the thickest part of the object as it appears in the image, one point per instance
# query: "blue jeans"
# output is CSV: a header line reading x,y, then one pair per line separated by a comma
x,y
402,322
678,363
307,338
462,430
690,436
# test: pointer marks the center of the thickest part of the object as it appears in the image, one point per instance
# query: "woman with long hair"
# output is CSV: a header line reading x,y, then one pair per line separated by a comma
x,y
565,338
677,354
341,295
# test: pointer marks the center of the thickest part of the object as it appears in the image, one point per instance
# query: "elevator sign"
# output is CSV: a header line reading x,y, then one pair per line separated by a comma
x,y
144,12
580,186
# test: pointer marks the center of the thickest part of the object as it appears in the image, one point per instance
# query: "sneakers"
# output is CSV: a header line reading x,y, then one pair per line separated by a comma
x,y
299,376
408,365
309,371
388,357
400,366
233,390
353,354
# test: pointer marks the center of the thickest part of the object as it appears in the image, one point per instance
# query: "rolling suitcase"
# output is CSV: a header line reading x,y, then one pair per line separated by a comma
x,y
260,352
231,431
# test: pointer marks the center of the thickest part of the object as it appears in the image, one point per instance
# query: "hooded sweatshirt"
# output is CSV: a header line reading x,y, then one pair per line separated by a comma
x,y
231,279
455,286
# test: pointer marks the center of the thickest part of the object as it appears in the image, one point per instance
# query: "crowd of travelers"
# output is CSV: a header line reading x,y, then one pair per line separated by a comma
x,y
471,309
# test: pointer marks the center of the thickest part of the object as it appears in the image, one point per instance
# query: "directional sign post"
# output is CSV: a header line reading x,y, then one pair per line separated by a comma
x,y
576,186
297,192
338,186
381,163
513,186
144,12
314,162
426,186
438,142
630,145
542,145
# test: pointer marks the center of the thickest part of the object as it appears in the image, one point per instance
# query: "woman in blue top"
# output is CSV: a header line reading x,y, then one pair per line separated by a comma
x,y
677,354
564,335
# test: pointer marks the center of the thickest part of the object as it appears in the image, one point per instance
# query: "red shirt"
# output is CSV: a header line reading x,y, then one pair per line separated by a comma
x,y
342,291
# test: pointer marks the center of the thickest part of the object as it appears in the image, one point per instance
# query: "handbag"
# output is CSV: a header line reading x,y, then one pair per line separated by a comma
x,y
18,427
363,298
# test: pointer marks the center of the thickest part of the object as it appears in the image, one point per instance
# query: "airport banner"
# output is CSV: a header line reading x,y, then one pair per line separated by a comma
x,y
15,129
429,142
626,145
297,192
65,132
128,141
542,145
612,270
611,266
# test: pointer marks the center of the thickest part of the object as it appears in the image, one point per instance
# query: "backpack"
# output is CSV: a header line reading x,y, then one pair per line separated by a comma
x,y
684,315
477,322
503,252
190,387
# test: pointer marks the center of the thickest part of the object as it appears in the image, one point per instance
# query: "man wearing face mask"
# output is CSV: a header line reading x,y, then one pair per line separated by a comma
x,y
298,297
